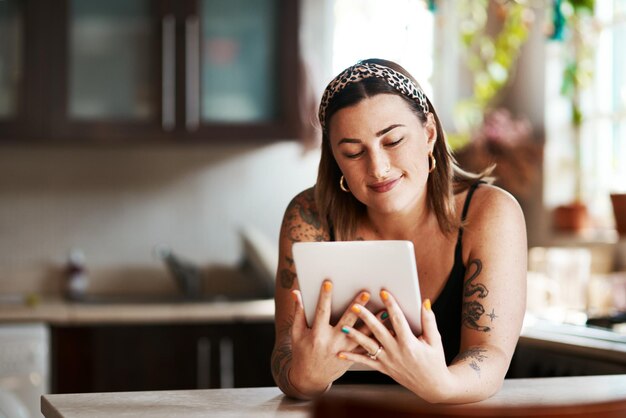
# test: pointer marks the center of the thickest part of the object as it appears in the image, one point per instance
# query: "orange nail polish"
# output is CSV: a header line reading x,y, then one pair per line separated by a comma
x,y
365,297
427,304
294,296
342,356
356,309
328,286
384,295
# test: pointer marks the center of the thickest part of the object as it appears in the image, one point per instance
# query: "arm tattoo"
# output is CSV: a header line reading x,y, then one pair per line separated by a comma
x,y
301,223
281,357
479,288
287,277
474,310
302,220
281,363
475,355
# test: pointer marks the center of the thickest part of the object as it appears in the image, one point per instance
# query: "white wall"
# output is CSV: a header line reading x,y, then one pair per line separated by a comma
x,y
117,204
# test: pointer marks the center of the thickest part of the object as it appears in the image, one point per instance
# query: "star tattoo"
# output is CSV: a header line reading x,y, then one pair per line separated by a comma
x,y
492,315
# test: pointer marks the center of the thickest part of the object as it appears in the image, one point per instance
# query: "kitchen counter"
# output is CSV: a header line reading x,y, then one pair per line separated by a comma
x,y
571,392
61,312
593,342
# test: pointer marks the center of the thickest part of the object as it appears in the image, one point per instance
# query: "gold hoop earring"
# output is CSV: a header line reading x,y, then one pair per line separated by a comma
x,y
342,184
432,163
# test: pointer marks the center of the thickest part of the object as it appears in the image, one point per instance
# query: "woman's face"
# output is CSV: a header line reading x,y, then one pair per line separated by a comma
x,y
382,149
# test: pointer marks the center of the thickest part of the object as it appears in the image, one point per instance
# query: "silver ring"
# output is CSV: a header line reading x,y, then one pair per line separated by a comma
x,y
375,355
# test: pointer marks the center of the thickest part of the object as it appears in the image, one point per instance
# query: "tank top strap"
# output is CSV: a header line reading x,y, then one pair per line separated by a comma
x,y
468,199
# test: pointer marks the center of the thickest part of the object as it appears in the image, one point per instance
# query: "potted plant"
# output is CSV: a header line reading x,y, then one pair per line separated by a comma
x,y
574,216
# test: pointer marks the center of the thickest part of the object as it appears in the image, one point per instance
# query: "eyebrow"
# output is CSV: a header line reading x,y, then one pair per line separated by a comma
x,y
378,134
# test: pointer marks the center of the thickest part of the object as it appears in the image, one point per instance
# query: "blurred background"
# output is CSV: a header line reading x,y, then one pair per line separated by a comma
x,y
148,148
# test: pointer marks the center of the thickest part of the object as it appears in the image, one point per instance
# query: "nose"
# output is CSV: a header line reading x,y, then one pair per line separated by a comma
x,y
379,165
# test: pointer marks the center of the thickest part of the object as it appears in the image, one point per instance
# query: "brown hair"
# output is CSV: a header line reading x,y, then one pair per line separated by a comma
x,y
341,211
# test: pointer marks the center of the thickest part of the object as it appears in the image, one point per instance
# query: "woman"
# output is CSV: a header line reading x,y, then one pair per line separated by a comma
x,y
386,173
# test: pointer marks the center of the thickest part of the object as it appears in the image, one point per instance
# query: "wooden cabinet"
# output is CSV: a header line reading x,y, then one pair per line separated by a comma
x,y
161,357
148,70
22,51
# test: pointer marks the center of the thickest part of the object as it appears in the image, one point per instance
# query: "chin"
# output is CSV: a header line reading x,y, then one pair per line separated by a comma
x,y
387,204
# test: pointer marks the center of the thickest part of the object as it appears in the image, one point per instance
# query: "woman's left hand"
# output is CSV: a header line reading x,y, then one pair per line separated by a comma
x,y
417,363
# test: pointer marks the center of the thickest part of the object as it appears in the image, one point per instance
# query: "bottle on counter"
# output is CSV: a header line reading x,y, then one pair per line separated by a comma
x,y
77,279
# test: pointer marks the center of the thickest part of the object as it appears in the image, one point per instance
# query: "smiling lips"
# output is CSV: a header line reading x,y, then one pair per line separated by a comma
x,y
384,186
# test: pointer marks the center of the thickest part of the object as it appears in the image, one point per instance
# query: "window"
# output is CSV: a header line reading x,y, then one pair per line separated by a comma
x,y
398,30
602,163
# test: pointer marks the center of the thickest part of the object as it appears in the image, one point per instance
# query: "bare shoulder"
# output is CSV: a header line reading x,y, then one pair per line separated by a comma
x,y
494,220
491,204
302,219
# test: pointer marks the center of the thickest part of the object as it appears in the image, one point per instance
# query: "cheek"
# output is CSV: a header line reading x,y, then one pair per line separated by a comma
x,y
414,159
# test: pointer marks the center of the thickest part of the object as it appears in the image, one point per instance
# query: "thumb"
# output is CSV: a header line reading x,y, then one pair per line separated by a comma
x,y
299,321
430,332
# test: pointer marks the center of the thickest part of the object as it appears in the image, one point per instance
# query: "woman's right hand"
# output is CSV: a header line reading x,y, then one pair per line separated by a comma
x,y
315,364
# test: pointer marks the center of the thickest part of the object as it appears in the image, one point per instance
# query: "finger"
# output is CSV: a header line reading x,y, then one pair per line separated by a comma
x,y
369,344
430,332
322,311
382,317
299,321
362,359
396,316
349,318
379,331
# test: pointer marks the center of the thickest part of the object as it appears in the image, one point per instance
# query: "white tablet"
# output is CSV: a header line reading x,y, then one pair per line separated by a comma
x,y
355,266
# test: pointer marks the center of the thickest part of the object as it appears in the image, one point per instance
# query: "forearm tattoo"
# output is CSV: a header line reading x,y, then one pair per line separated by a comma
x,y
281,357
287,277
473,310
474,355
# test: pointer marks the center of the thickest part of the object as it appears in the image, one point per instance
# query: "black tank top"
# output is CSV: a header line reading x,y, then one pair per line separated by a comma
x,y
447,308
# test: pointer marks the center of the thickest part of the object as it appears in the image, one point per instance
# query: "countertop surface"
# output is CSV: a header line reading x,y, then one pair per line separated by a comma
x,y
600,342
61,312
266,402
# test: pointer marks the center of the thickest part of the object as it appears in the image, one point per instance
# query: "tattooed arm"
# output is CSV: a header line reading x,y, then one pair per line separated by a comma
x,y
494,293
304,361
300,223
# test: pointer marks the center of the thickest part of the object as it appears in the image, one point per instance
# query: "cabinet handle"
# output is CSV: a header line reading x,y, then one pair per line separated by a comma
x,y
192,72
203,363
168,83
227,369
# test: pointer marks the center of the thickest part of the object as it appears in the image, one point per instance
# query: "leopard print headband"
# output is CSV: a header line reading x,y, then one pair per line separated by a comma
x,y
361,71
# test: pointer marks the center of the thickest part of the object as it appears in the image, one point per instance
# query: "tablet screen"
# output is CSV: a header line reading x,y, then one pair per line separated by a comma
x,y
355,266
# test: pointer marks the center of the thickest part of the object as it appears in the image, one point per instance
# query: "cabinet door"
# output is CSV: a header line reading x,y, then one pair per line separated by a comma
x,y
11,48
108,77
240,69
146,70
113,358
178,70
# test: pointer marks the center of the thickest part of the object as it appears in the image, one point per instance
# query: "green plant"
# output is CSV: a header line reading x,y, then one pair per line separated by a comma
x,y
575,29
489,58
578,72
